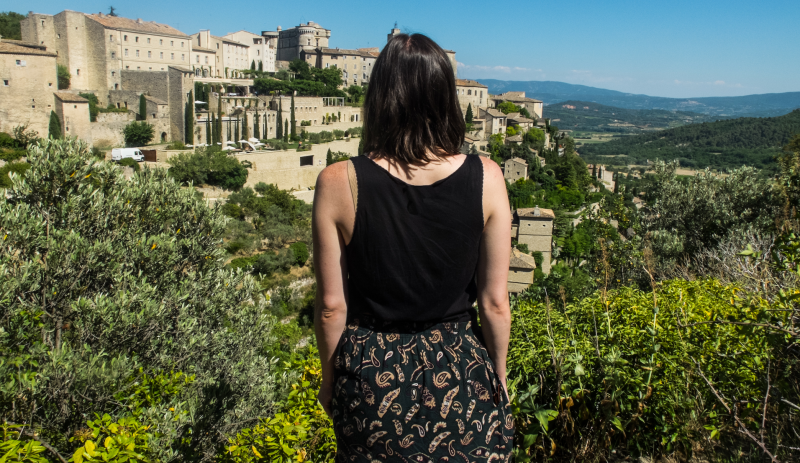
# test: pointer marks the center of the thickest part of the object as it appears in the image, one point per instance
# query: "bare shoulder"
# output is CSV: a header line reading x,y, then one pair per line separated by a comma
x,y
333,176
492,174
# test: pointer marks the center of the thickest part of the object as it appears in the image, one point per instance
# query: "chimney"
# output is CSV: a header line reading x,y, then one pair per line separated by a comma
x,y
537,212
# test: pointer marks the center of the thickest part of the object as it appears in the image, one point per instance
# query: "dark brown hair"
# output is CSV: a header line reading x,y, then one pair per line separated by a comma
x,y
411,105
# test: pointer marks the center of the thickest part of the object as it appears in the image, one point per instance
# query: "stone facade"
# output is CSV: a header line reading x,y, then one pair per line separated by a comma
x,y
293,41
521,268
534,228
494,122
260,49
96,48
316,109
356,65
533,106
472,93
73,112
515,169
27,82
203,40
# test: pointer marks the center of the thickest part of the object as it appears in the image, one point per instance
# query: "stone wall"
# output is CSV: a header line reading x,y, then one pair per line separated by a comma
x,y
28,98
107,131
75,119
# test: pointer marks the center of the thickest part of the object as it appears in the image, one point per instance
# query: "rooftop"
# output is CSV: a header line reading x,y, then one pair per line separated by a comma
x,y
536,213
67,97
519,160
117,22
203,49
367,53
18,47
155,100
469,83
494,113
515,96
521,260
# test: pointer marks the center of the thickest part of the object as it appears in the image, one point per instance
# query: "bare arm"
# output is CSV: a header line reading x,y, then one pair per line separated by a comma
x,y
329,227
493,267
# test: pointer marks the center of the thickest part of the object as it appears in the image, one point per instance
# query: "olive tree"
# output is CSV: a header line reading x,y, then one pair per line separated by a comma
x,y
109,283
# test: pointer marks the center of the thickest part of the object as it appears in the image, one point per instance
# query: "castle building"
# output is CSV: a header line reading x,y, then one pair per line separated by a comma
x,y
293,41
96,48
27,82
521,268
534,228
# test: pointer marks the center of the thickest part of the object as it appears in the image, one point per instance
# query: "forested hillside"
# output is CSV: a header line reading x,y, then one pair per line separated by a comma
x,y
763,105
721,144
594,117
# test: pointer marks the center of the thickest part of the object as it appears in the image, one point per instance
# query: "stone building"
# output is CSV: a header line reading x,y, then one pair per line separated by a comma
x,y
515,169
205,42
473,93
27,82
204,62
96,48
315,110
494,121
520,271
533,106
260,49
520,122
534,228
293,41
356,65
73,112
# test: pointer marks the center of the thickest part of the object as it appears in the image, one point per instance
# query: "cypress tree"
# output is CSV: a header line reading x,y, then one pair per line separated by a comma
x,y
208,128
236,131
278,125
189,119
286,130
260,65
253,65
329,158
616,183
229,129
246,128
219,117
54,130
256,131
468,118
142,107
594,170
292,122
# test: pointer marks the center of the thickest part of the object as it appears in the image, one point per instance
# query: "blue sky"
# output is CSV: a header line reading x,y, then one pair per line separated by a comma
x,y
664,48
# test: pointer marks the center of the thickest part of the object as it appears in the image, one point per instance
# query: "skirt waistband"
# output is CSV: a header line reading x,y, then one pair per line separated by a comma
x,y
366,322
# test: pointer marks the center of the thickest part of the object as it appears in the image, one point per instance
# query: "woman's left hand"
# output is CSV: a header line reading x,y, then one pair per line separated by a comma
x,y
325,396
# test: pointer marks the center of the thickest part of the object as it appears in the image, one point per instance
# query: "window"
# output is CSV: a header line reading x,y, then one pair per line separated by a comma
x,y
161,55
138,68
149,54
469,92
49,84
21,62
110,38
171,43
327,65
364,68
206,59
217,46
182,58
127,67
78,71
137,53
42,23
113,54
172,55
125,38
148,40
113,73
161,41
126,52
198,58
306,161
181,44
74,106
5,82
136,39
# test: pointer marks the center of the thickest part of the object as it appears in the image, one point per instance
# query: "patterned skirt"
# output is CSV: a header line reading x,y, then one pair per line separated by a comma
x,y
424,396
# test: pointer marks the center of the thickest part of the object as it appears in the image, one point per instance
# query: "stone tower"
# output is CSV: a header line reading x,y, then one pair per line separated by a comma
x,y
395,31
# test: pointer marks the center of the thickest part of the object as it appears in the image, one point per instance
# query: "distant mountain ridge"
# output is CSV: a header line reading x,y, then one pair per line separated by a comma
x,y
763,105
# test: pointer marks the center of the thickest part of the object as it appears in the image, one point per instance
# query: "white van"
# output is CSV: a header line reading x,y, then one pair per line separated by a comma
x,y
118,154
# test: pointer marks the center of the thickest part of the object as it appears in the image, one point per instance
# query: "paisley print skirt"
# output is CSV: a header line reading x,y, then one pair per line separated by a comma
x,y
424,396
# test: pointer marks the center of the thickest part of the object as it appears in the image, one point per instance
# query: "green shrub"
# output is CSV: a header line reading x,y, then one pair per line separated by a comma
x,y
106,280
93,109
208,166
355,131
338,134
6,141
300,251
64,77
233,211
138,133
177,145
129,162
11,154
18,168
98,154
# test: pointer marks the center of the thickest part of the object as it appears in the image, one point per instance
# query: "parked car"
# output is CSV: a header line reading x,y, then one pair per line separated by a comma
x,y
118,154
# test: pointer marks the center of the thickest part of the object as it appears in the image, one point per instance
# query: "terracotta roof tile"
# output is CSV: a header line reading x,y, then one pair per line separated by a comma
x,y
18,47
116,22
521,260
469,83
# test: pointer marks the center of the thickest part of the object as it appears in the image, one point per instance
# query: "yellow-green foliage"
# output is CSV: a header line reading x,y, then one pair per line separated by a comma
x,y
113,441
14,450
624,370
301,431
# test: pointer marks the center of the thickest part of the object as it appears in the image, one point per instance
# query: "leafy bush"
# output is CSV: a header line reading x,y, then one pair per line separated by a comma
x,y
177,145
300,252
233,211
138,133
93,101
129,162
271,262
11,154
338,134
208,166
315,138
64,77
106,281
633,371
300,431
6,141
355,131
18,168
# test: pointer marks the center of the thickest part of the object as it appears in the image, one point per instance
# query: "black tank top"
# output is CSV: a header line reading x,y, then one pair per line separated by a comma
x,y
414,252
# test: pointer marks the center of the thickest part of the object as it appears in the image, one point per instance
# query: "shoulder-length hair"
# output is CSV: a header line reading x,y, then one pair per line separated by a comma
x,y
411,110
